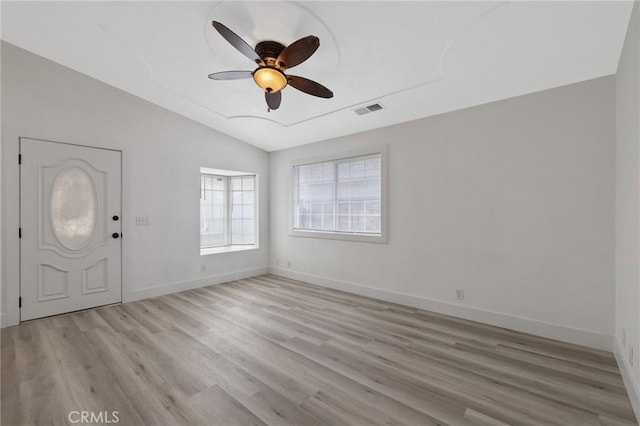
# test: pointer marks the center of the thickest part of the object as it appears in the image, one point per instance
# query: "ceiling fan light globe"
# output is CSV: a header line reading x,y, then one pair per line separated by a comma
x,y
270,79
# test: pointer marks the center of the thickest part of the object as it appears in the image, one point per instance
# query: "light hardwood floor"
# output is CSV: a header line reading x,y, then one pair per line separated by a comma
x,y
269,350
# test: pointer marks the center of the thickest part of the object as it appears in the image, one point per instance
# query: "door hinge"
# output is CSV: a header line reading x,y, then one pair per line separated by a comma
x,y
19,158
20,302
19,232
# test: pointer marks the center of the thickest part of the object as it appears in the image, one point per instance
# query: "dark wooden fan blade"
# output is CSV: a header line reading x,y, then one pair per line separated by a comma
x,y
236,41
230,75
309,86
273,99
298,51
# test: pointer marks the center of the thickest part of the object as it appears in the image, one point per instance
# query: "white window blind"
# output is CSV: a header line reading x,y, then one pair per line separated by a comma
x,y
342,196
227,210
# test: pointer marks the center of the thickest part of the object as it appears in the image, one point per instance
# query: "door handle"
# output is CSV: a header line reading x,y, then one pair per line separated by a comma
x,y
115,235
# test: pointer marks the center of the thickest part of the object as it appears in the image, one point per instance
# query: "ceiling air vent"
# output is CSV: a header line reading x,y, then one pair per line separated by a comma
x,y
368,109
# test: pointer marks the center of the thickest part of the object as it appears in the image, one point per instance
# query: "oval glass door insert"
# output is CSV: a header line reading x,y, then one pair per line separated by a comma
x,y
73,208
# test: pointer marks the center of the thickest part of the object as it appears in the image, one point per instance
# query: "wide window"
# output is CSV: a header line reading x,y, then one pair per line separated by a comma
x,y
339,197
228,211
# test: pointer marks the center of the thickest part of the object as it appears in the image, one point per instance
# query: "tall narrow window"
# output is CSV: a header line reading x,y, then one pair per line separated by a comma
x,y
213,211
243,210
228,210
342,196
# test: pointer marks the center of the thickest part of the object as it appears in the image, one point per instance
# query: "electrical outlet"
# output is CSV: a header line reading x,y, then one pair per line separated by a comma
x,y
631,355
624,337
289,263
460,294
203,268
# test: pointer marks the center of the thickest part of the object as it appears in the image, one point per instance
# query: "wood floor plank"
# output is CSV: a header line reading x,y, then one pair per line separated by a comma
x,y
144,317
155,402
567,391
215,406
482,419
269,350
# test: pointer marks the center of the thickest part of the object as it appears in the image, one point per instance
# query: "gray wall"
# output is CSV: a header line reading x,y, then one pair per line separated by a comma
x,y
627,287
511,201
162,155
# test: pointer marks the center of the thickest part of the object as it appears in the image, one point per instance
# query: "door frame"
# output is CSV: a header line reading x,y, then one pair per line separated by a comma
x,y
14,287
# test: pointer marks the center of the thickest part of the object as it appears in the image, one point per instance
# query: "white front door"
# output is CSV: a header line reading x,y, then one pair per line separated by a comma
x,y
70,224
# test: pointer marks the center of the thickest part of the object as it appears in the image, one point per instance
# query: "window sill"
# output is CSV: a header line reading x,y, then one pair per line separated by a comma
x,y
226,249
344,236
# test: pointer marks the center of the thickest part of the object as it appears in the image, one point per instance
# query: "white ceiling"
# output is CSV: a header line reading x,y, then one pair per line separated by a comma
x,y
415,58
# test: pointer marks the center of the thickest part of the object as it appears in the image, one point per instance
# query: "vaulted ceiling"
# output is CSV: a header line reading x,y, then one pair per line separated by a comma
x,y
416,59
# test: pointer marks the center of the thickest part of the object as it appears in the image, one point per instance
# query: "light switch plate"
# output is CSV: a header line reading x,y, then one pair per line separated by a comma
x,y
142,220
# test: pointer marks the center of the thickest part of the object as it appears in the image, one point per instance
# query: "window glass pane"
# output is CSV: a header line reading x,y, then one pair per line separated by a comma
x,y
372,224
247,211
236,230
357,169
212,211
248,239
372,207
343,171
236,184
74,208
349,188
217,196
358,189
344,190
218,183
357,207
304,175
316,221
247,226
248,197
357,223
247,183
372,189
373,167
327,222
206,182
343,223
236,198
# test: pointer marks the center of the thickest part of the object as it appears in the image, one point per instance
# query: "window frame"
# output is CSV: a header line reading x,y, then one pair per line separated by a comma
x,y
341,235
228,175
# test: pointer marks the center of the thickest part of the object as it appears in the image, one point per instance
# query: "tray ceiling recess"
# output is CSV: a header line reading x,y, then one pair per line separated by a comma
x,y
416,58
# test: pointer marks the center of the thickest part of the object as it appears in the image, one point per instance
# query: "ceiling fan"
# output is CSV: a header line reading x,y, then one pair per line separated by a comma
x,y
273,60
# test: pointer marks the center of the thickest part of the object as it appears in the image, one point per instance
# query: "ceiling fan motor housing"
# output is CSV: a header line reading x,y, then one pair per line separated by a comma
x,y
269,51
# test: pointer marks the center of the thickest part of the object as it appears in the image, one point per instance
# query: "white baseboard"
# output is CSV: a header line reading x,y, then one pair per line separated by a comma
x,y
512,322
632,386
147,292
